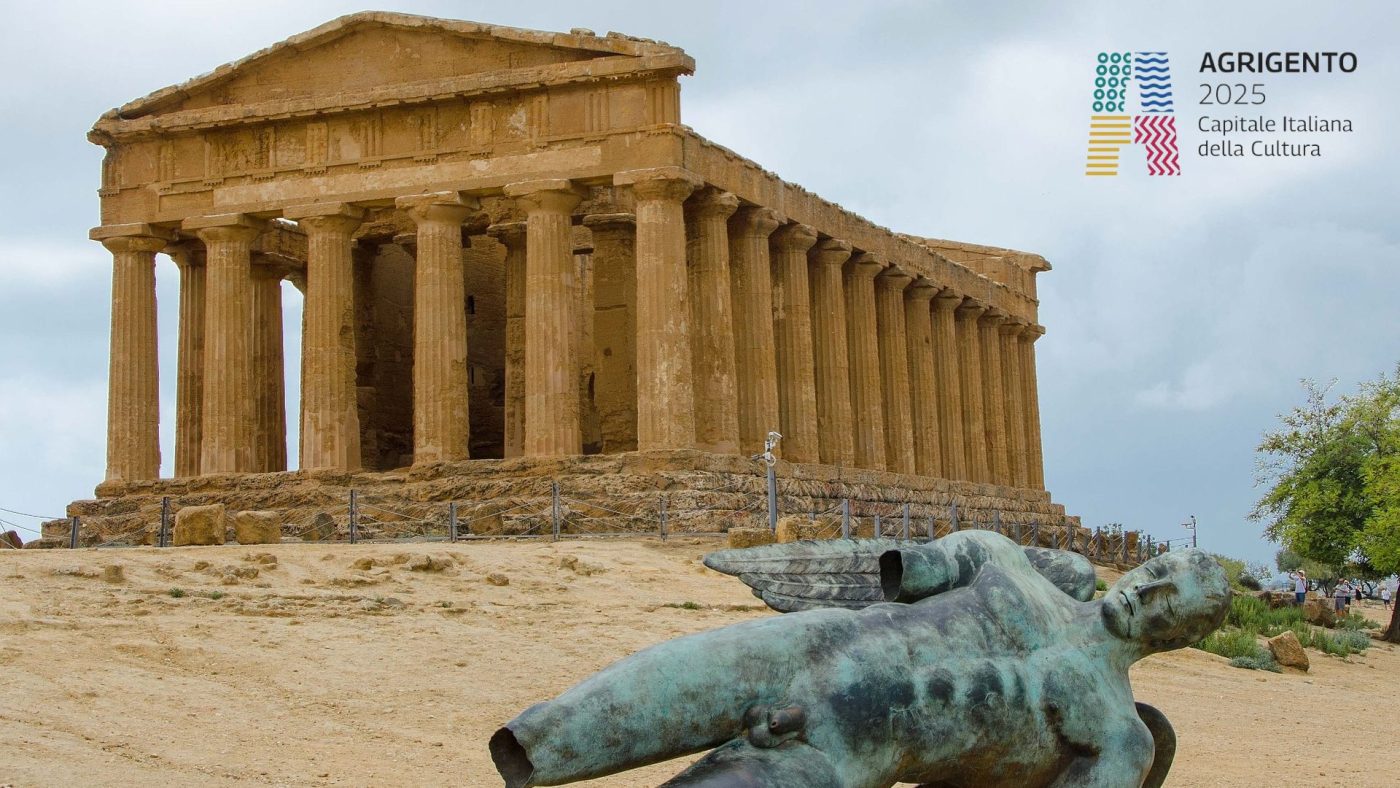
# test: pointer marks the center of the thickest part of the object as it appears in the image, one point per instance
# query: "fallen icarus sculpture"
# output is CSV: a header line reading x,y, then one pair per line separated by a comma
x,y
966,661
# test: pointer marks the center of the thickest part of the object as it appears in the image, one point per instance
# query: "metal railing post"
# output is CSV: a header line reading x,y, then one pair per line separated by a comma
x,y
354,517
772,499
452,521
554,508
879,529
663,518
932,528
1020,533
905,535
73,532
163,540
953,524
845,518
996,522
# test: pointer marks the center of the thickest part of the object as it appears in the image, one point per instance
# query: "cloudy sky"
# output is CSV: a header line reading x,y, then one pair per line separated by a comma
x,y
1181,311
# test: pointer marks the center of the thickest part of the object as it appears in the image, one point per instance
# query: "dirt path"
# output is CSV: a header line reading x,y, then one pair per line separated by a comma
x,y
314,672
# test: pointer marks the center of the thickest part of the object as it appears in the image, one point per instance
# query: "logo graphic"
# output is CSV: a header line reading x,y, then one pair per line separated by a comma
x,y
1154,124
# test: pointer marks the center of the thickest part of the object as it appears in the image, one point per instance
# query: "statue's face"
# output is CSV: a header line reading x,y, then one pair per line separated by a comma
x,y
1170,602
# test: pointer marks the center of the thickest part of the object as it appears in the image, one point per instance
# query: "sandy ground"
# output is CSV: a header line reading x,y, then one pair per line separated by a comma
x,y
314,672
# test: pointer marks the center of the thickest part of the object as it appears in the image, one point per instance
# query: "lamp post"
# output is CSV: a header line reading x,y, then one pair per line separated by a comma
x,y
770,443
1191,526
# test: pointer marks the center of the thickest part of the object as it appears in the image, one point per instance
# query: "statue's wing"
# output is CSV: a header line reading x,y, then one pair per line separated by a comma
x,y
846,573
1164,744
809,574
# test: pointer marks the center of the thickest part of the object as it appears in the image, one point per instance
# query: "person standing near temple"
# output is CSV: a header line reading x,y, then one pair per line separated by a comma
x,y
1300,587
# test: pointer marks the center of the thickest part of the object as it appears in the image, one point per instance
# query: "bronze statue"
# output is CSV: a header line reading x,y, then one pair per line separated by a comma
x,y
991,667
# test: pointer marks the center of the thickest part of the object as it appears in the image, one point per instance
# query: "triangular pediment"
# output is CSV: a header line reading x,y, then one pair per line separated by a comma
x,y
373,52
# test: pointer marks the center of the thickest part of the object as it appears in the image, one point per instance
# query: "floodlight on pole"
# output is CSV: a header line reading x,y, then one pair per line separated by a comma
x,y
1191,526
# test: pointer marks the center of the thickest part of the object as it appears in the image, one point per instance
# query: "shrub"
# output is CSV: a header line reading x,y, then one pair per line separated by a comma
x,y
1356,622
1264,661
1250,582
177,592
215,595
1231,643
1352,640
1100,585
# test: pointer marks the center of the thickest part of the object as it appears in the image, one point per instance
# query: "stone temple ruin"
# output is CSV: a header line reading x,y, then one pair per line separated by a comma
x,y
519,268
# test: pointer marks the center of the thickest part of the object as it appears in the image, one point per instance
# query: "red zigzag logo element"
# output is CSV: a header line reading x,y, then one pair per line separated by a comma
x,y
1158,134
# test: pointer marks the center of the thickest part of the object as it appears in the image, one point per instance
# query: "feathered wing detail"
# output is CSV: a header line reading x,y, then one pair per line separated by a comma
x,y
808,575
845,573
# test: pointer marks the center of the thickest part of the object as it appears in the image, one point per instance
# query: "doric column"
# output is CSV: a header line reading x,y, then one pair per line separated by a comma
x,y
923,383
952,447
792,326
269,384
755,362
440,420
665,393
615,328
712,332
330,426
1035,470
829,340
133,382
978,465
862,341
512,237
894,370
228,342
551,317
993,395
1015,400
189,362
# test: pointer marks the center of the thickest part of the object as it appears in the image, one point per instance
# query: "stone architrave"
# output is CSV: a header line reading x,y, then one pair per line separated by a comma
x,y
792,327
755,361
551,317
440,419
947,374
665,389
512,237
133,399
227,439
1015,403
330,412
830,345
862,343
1034,460
923,383
615,328
993,396
712,320
269,395
894,370
970,380
189,361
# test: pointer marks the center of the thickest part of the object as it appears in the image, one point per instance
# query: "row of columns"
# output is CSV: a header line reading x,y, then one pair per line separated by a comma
x,y
727,322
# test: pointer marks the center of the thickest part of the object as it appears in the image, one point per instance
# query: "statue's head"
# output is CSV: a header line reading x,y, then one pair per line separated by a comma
x,y
1170,602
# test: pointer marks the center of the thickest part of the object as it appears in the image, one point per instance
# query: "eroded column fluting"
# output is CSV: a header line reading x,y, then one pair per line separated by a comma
x,y
923,383
894,370
952,447
755,359
512,237
551,315
1035,460
792,327
441,426
993,395
615,328
1015,400
330,426
977,463
189,360
228,342
863,345
269,383
830,351
133,382
712,315
665,391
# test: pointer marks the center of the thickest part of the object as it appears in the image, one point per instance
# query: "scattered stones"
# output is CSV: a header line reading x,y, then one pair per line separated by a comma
x,y
1320,613
44,543
113,573
257,527
568,562
363,564
1288,652
749,537
497,579
200,525
200,566
429,563
266,559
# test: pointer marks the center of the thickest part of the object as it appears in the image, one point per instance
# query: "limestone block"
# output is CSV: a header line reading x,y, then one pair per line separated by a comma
x,y
793,528
45,543
862,528
1288,652
200,525
322,528
1320,612
11,540
749,537
257,527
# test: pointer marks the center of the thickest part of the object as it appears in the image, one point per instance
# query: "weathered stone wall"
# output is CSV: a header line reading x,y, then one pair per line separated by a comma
x,y
486,343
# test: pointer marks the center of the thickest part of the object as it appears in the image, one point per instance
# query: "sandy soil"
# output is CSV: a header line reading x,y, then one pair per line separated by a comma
x,y
314,672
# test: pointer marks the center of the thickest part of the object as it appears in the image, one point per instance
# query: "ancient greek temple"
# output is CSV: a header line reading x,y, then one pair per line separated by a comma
x,y
512,252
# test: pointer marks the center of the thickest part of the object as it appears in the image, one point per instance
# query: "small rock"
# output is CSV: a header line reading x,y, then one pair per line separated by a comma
x,y
568,562
266,559
201,565
497,579
363,564
113,573
429,563
749,537
257,527
1288,651
794,528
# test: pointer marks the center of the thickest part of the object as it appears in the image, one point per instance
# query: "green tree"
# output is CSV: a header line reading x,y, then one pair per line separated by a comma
x,y
1332,472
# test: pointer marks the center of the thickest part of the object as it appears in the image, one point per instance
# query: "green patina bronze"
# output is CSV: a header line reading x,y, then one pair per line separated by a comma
x,y
988,666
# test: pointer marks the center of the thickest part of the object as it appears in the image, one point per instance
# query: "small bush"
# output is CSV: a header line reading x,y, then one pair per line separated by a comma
x,y
1231,643
1264,661
1100,585
215,595
1356,622
684,605
1353,641
177,592
1250,582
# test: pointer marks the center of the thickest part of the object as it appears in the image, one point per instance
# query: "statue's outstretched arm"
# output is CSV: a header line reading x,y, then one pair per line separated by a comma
x,y
909,574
